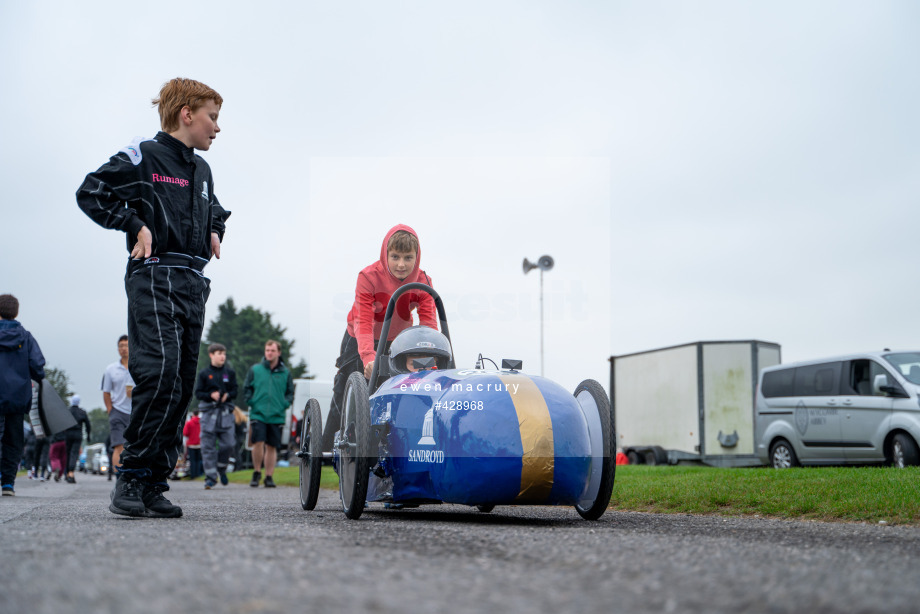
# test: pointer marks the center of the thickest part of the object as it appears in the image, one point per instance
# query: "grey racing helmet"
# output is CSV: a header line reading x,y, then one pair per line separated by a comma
x,y
420,340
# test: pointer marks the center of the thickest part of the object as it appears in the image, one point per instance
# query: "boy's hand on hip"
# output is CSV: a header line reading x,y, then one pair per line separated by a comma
x,y
215,245
144,242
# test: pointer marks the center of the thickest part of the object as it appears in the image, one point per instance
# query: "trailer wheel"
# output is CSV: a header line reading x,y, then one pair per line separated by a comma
x,y
904,451
592,398
311,455
656,456
635,458
354,446
782,456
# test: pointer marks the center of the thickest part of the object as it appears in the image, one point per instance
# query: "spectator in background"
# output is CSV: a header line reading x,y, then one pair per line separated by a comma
x,y
215,390
294,434
192,434
57,455
73,437
28,454
35,431
108,452
40,462
269,391
241,427
117,387
21,361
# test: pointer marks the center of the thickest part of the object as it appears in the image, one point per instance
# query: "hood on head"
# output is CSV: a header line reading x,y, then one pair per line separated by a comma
x,y
413,276
12,335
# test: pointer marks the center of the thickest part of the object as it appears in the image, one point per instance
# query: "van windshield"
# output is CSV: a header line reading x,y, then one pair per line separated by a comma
x,y
907,364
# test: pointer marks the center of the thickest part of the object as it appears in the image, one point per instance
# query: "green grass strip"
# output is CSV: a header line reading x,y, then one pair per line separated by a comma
x,y
868,494
288,476
841,494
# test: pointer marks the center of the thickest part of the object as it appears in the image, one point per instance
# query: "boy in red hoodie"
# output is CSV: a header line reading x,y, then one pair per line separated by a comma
x,y
192,434
400,258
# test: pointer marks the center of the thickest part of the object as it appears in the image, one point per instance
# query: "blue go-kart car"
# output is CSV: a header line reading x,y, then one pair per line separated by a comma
x,y
478,437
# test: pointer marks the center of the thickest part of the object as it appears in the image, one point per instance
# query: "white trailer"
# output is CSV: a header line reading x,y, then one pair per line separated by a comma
x,y
687,403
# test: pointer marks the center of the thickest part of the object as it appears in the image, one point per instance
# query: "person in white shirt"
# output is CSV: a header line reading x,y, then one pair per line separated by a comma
x,y
117,386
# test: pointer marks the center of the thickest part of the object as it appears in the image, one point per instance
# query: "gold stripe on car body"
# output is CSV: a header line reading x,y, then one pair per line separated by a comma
x,y
538,458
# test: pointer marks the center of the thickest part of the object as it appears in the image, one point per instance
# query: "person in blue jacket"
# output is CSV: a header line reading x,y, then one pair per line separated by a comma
x,y
21,361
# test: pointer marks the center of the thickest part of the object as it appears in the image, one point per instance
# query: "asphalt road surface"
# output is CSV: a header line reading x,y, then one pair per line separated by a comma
x,y
244,550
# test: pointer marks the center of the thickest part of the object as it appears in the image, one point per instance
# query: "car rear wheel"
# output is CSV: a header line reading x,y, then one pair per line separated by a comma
x,y
782,456
354,446
311,455
904,451
593,400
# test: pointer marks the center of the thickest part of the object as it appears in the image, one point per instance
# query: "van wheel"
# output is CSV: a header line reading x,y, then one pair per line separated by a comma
x,y
782,456
904,451
635,458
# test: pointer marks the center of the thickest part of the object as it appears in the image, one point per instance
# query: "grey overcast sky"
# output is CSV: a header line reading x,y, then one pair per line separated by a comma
x,y
698,170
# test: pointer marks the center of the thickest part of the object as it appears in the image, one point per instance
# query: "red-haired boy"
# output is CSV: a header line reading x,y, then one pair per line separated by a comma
x,y
161,195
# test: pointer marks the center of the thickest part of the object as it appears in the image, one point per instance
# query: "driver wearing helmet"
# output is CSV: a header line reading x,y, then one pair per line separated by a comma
x,y
418,342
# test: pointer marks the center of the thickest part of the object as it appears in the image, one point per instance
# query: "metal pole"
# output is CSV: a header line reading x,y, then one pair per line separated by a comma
x,y
541,322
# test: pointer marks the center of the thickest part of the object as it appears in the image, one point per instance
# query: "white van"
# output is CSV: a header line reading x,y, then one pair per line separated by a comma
x,y
304,390
856,409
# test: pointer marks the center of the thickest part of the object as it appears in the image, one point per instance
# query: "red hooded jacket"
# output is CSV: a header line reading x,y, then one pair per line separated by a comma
x,y
372,294
192,430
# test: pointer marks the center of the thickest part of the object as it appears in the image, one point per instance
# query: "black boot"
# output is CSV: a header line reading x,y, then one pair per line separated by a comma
x,y
256,477
126,496
156,504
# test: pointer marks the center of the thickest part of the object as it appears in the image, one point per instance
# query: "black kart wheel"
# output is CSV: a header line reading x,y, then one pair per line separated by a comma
x,y
485,509
311,455
354,446
593,400
782,456
904,451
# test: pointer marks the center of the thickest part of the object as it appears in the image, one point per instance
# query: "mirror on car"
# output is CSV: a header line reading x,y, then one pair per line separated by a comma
x,y
879,384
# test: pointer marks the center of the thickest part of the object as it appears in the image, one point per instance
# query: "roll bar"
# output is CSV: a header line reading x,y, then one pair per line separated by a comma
x,y
388,316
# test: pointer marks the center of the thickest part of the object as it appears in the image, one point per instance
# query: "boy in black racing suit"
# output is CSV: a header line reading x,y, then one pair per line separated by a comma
x,y
161,194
